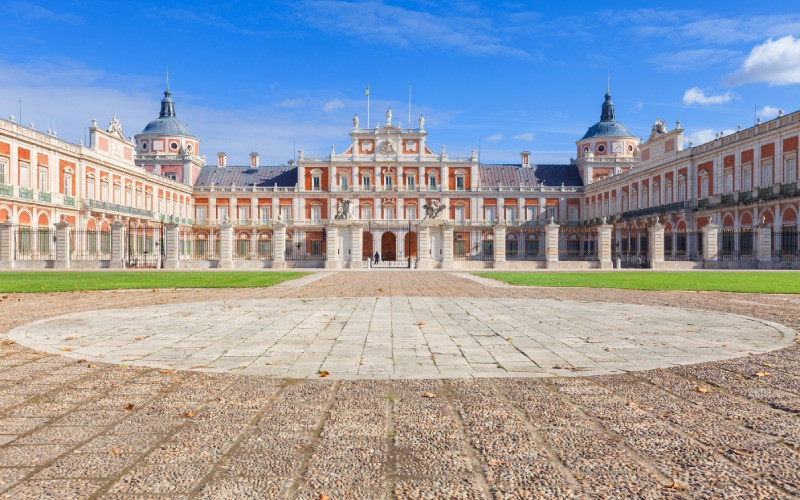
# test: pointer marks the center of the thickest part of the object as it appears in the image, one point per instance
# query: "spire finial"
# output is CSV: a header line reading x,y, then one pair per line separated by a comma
x,y
608,84
167,78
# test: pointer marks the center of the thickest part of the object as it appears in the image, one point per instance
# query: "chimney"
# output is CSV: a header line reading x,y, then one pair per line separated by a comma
x,y
254,160
221,159
526,158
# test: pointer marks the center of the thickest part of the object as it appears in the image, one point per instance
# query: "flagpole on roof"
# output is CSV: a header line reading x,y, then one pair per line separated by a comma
x,y
367,105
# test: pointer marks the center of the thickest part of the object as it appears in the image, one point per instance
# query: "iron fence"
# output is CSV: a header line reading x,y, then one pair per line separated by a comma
x,y
90,245
631,247
525,244
252,245
785,245
577,245
35,244
200,244
683,246
145,246
305,244
477,244
736,245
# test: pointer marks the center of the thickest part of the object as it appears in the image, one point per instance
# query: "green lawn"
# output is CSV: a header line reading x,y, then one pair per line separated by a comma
x,y
67,281
756,282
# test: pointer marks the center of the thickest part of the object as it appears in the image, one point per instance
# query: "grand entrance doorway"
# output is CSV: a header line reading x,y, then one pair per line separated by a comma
x,y
389,246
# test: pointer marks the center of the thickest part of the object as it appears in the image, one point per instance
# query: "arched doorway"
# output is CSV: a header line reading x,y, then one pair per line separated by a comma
x,y
367,252
410,245
388,246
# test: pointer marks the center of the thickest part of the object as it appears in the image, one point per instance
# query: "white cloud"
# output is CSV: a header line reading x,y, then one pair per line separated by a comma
x,y
333,105
527,137
776,62
495,137
696,95
767,112
291,103
704,136
377,22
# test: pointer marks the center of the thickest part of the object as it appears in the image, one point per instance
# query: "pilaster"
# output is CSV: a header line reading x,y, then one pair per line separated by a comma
x,y
447,246
499,246
117,245
63,244
171,246
226,245
7,234
604,245
356,246
655,242
550,244
279,246
332,258
764,245
710,248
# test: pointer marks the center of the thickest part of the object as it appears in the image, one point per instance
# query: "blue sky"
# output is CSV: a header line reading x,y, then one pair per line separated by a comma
x,y
505,76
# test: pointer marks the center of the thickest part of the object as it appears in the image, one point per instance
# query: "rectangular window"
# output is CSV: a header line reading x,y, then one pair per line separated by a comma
x,y
460,214
460,182
491,213
432,181
116,195
104,191
789,171
3,167
656,197
747,179
552,213
411,212
668,194
704,187
366,212
315,183
766,174
244,213
343,182
222,213
90,189
387,181
410,182
23,176
264,213
388,213
681,190
200,212
286,212
531,212
67,185
511,213
316,213
572,212
139,199
43,180
365,182
729,181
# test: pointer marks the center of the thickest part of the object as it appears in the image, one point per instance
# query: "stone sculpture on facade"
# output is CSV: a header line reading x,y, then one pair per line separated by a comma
x,y
433,209
388,116
344,210
355,121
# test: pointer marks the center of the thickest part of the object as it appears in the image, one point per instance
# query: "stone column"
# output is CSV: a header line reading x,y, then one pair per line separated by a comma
x,y
63,244
551,244
425,261
763,243
710,247
226,245
655,242
500,246
447,246
356,246
279,246
7,233
171,246
332,258
117,245
604,245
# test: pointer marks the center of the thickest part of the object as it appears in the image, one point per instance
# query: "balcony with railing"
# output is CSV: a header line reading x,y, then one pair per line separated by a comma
x,y
113,207
26,193
6,190
46,197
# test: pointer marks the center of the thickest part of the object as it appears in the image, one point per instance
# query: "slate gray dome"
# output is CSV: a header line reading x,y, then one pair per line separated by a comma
x,y
607,126
167,123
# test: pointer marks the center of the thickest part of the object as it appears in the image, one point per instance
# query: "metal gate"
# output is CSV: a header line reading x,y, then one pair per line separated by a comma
x,y
390,245
145,246
632,248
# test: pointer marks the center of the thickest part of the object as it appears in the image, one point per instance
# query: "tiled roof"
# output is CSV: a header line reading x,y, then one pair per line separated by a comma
x,y
611,128
283,176
516,174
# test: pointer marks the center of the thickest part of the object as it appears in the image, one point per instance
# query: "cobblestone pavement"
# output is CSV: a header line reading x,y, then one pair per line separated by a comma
x,y
78,429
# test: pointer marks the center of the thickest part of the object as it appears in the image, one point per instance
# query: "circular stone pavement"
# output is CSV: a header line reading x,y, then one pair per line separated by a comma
x,y
404,337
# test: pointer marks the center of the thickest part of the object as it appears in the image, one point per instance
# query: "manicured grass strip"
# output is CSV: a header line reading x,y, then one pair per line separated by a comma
x,y
751,282
70,281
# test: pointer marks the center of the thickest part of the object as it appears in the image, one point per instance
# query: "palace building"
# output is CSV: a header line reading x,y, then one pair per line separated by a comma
x,y
389,200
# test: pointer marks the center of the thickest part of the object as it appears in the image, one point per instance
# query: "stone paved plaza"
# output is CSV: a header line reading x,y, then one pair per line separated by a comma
x,y
404,337
72,426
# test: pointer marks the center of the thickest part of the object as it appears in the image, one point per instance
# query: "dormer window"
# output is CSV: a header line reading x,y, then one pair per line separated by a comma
x,y
189,147
144,145
585,149
173,146
601,148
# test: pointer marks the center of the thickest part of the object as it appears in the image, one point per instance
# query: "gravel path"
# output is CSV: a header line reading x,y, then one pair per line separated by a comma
x,y
80,429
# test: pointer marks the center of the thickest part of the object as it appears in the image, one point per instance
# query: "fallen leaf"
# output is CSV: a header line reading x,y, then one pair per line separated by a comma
x,y
762,374
66,348
71,337
167,371
701,389
675,485
189,414
608,349
324,373
8,342
81,361
323,497
429,395
510,339
380,289
270,363
129,407
420,323
740,451
114,451
92,365
139,338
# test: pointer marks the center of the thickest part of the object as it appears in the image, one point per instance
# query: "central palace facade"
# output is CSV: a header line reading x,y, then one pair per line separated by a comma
x,y
389,200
